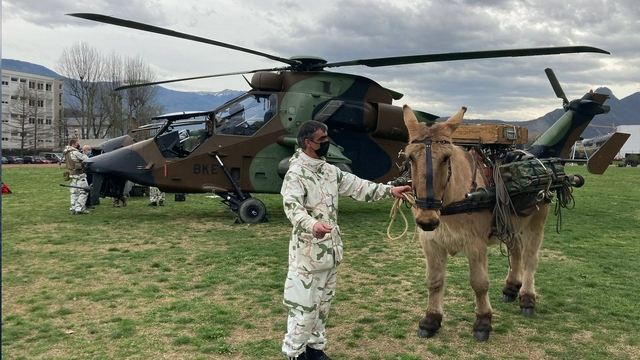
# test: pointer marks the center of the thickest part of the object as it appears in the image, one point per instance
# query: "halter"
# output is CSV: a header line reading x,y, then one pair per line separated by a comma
x,y
430,203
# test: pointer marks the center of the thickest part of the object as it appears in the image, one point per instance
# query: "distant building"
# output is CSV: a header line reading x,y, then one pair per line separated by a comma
x,y
32,122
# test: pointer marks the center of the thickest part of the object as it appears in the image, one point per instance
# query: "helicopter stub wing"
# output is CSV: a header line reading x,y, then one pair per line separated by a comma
x,y
601,159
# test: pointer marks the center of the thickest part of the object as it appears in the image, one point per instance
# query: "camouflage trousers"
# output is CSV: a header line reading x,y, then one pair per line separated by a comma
x,y
308,297
118,200
155,195
78,196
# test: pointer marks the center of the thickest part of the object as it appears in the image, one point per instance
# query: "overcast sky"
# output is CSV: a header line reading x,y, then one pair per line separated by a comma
x,y
508,89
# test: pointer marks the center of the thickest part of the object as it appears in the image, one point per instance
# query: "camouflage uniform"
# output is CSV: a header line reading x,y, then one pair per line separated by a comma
x,y
310,194
78,179
156,197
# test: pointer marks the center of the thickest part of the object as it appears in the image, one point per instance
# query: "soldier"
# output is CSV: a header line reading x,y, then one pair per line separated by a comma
x,y
73,157
156,197
310,194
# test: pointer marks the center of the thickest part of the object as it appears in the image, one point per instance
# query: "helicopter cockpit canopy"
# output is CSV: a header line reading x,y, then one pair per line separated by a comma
x,y
178,134
246,115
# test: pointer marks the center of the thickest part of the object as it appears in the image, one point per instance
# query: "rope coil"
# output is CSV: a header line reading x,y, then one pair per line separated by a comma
x,y
411,201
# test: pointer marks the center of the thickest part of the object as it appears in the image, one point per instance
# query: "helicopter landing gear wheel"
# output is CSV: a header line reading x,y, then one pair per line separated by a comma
x,y
252,211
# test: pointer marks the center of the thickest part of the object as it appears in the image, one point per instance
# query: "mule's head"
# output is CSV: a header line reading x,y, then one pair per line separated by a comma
x,y
429,152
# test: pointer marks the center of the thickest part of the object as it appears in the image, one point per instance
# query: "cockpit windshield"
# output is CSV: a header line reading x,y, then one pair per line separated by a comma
x,y
179,138
247,115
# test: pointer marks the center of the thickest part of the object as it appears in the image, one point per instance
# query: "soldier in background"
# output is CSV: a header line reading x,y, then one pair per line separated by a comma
x,y
156,197
124,199
73,157
89,204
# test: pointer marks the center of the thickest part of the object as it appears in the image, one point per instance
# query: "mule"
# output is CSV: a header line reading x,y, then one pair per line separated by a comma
x,y
442,173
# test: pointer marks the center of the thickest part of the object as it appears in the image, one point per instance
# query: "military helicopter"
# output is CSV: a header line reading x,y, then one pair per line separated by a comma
x,y
243,147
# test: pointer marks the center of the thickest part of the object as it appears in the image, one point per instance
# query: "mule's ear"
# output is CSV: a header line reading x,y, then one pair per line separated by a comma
x,y
454,121
410,120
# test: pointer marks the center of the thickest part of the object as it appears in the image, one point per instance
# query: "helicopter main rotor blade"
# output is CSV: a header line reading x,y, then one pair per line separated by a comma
x,y
416,59
131,86
158,30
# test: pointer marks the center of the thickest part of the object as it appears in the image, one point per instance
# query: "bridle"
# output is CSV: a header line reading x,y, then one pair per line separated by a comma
x,y
430,202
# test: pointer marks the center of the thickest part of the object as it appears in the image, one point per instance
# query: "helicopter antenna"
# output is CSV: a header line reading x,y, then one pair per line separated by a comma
x,y
555,84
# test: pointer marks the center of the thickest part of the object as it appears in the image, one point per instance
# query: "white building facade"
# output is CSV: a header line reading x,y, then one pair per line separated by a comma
x,y
32,113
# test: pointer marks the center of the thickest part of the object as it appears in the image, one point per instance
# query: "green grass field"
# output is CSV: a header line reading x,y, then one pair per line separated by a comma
x,y
183,282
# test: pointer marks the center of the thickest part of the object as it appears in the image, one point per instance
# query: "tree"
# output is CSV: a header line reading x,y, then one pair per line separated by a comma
x,y
92,80
140,101
83,68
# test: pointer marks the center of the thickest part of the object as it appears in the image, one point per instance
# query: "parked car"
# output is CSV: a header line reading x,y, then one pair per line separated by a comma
x,y
14,160
28,159
54,157
5,160
46,161
37,160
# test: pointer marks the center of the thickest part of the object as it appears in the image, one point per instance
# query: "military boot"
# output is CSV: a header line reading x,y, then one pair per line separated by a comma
x,y
161,203
313,354
153,203
302,356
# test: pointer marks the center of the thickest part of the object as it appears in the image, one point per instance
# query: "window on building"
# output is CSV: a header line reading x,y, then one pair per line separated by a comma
x,y
14,79
40,103
23,80
48,87
32,84
49,121
14,97
5,139
32,102
40,86
5,101
32,120
40,121
5,83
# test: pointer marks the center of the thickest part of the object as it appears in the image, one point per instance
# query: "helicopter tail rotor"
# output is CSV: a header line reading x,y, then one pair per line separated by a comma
x,y
555,84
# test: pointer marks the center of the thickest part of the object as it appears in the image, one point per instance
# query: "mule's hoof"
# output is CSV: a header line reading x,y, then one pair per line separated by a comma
x,y
481,335
509,298
425,334
527,312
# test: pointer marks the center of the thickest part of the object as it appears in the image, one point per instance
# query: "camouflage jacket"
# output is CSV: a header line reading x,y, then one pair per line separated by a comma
x,y
310,194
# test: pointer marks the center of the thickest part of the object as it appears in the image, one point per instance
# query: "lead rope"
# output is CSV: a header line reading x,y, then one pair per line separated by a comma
x,y
408,197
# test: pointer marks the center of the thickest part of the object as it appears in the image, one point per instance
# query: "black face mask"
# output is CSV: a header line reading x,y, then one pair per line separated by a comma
x,y
324,148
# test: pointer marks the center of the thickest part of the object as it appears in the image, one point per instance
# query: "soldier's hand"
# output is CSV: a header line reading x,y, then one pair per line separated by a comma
x,y
320,229
397,191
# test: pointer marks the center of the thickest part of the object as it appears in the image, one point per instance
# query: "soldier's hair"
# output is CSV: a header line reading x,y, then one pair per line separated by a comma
x,y
307,130
73,142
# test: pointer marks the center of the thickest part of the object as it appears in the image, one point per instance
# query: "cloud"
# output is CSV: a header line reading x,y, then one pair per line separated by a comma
x,y
358,29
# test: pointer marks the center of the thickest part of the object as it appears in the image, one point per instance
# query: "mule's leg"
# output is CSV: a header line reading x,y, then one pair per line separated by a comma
x,y
514,275
436,273
531,236
479,278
